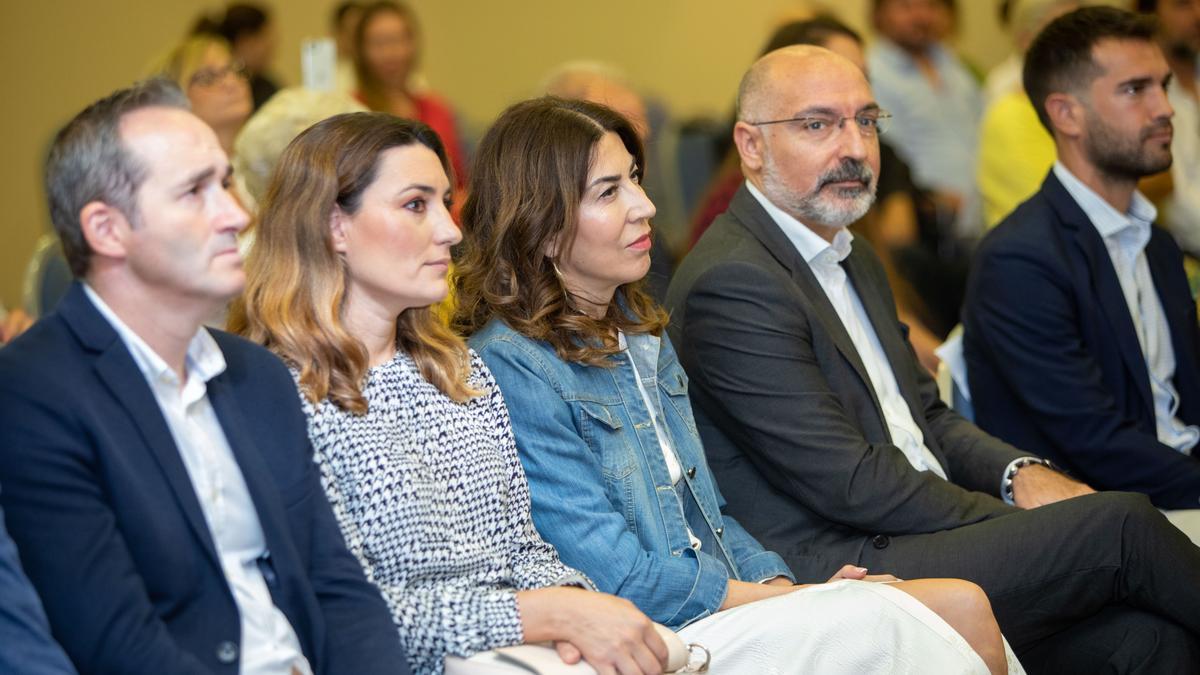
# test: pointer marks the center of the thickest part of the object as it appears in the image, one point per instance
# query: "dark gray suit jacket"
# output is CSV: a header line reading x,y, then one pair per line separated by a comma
x,y
790,422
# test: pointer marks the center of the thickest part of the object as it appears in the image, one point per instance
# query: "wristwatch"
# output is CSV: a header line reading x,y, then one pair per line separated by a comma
x,y
1006,485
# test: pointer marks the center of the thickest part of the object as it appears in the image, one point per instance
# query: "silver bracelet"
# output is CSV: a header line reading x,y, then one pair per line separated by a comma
x,y
1006,486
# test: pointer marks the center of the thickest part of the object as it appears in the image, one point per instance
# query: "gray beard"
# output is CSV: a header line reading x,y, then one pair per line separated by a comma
x,y
817,207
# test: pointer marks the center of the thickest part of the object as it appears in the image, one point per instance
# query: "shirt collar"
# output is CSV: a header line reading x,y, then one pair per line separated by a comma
x,y
1107,220
204,358
810,244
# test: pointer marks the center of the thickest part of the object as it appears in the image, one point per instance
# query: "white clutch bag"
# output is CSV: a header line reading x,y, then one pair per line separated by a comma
x,y
542,659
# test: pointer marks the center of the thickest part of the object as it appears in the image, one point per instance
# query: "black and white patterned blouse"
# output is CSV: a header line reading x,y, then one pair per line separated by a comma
x,y
433,502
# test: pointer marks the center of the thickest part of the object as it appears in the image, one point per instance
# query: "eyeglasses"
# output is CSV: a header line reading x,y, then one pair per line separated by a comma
x,y
207,77
818,128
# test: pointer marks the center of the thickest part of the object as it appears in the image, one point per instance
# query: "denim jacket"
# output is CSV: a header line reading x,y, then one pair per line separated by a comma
x,y
601,490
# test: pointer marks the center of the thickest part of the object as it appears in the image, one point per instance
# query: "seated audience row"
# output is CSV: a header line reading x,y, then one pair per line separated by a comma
x,y
230,496
599,406
186,501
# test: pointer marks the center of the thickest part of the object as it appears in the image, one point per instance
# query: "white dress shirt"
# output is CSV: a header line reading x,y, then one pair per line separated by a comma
x,y
664,440
268,643
1125,236
825,261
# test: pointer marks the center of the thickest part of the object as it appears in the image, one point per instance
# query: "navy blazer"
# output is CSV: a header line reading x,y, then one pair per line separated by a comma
x,y
1053,358
111,532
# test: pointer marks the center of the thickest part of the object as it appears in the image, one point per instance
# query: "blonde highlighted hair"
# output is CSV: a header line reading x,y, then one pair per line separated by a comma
x,y
186,58
296,281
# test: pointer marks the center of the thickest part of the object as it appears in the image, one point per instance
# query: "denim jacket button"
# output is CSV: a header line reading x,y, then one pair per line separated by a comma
x,y
692,472
720,532
676,553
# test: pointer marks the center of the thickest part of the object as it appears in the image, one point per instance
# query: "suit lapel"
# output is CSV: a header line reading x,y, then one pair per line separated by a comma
x,y
882,319
272,518
254,470
758,222
1107,287
1179,309
120,374
895,348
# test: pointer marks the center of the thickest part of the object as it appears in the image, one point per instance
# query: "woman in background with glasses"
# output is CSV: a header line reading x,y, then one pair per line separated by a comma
x,y
215,83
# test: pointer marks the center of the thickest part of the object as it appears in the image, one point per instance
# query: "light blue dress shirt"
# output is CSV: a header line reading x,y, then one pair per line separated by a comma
x,y
935,130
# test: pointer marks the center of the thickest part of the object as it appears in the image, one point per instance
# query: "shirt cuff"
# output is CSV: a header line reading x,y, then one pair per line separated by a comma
x,y
575,579
764,566
1010,472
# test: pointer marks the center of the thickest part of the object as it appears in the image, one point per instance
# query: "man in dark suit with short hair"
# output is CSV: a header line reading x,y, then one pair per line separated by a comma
x,y
158,478
828,439
1080,328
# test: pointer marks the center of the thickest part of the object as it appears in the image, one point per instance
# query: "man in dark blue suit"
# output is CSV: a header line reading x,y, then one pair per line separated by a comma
x,y
1080,329
157,475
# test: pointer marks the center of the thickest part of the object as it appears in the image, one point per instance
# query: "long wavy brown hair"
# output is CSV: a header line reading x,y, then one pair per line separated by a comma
x,y
529,176
296,281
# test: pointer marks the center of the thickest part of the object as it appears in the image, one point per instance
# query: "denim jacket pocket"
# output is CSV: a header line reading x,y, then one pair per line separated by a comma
x,y
674,383
602,430
605,435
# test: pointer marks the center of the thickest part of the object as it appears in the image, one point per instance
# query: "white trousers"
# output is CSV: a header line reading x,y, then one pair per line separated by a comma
x,y
840,627
1188,521
849,627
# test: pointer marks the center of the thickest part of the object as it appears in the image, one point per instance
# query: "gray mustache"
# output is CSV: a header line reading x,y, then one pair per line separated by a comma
x,y
850,169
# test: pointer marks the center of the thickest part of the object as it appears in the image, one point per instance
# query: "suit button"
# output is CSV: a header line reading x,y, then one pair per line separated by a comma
x,y
880,541
227,652
692,472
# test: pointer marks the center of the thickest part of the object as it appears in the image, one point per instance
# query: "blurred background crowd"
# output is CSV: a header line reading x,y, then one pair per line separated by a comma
x,y
964,149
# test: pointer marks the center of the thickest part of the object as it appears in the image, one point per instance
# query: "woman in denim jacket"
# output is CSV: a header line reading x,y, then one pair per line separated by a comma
x,y
598,401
